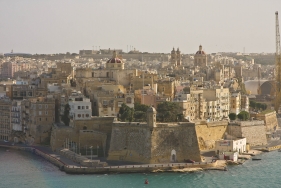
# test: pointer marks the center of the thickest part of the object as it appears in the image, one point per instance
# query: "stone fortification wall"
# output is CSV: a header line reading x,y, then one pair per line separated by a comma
x,y
93,132
270,120
130,142
165,143
174,143
253,131
208,132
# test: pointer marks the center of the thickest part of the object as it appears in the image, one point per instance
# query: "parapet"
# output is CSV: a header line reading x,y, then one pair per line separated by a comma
x,y
246,123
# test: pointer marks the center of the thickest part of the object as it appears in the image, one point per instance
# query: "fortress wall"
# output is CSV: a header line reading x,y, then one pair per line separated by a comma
x,y
179,140
253,131
130,143
270,120
208,133
139,143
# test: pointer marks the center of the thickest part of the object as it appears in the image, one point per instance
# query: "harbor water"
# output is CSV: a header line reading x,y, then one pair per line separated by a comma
x,y
24,169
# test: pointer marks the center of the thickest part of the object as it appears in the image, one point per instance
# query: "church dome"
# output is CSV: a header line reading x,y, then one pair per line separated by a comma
x,y
200,51
114,58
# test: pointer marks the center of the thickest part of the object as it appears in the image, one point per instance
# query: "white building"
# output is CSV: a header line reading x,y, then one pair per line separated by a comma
x,y
238,145
80,106
235,103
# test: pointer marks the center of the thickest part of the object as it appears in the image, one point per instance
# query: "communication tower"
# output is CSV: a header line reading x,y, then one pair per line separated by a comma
x,y
277,100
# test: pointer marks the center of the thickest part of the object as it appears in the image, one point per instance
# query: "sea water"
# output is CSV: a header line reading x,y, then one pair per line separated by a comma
x,y
23,169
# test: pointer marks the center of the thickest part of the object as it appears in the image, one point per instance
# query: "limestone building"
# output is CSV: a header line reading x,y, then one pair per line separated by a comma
x,y
200,58
176,57
5,120
39,114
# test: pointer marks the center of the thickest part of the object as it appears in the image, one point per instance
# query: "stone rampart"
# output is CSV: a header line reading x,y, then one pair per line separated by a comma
x,y
137,142
209,132
253,131
270,120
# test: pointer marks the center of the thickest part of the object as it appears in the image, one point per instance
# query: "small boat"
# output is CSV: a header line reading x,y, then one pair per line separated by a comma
x,y
146,181
279,150
256,159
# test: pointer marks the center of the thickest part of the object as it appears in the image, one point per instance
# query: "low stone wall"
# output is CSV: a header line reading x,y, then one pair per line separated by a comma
x,y
138,168
56,161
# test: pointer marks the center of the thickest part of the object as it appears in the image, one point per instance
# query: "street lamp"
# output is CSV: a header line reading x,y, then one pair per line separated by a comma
x,y
97,150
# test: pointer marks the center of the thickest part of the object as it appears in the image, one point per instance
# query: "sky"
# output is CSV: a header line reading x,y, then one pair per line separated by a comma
x,y
60,26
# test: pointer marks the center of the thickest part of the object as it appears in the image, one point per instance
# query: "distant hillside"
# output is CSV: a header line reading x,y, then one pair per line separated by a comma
x,y
259,59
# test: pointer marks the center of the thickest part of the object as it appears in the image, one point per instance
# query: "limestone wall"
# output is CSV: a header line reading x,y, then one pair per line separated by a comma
x,y
270,120
130,143
162,144
209,132
179,140
253,131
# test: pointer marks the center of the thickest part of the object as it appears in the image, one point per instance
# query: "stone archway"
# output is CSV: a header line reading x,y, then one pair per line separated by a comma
x,y
173,157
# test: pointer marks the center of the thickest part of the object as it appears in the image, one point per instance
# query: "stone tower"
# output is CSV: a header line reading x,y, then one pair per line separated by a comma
x,y
173,57
151,117
178,57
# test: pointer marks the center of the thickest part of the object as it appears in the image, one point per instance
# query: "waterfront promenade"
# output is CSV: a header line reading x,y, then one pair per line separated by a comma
x,y
70,166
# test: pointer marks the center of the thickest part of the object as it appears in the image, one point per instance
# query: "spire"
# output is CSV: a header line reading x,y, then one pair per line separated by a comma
x,y
200,47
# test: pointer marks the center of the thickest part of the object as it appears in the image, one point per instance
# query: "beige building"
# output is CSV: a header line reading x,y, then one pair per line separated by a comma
x,y
114,71
200,58
217,103
5,120
235,103
39,114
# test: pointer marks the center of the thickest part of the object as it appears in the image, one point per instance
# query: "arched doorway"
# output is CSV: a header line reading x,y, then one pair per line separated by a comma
x,y
173,156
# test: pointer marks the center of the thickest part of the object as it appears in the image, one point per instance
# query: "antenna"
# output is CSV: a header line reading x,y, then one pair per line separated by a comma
x,y
277,66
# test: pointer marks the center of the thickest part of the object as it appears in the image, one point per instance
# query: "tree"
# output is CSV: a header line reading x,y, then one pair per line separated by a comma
x,y
168,111
232,116
126,113
65,116
243,115
140,111
253,104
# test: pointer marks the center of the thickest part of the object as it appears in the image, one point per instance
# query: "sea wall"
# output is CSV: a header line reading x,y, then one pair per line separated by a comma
x,y
139,168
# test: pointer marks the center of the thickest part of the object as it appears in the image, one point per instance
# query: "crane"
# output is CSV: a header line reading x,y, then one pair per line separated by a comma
x,y
277,100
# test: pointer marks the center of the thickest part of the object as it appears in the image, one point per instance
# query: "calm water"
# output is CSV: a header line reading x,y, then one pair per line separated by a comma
x,y
23,169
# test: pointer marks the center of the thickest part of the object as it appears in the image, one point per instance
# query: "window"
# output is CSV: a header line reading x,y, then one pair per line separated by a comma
x,y
46,106
40,105
87,107
46,112
40,112
129,100
79,115
79,107
87,115
83,107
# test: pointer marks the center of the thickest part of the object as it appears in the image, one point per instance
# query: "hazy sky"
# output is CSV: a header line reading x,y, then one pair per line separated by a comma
x,y
59,26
